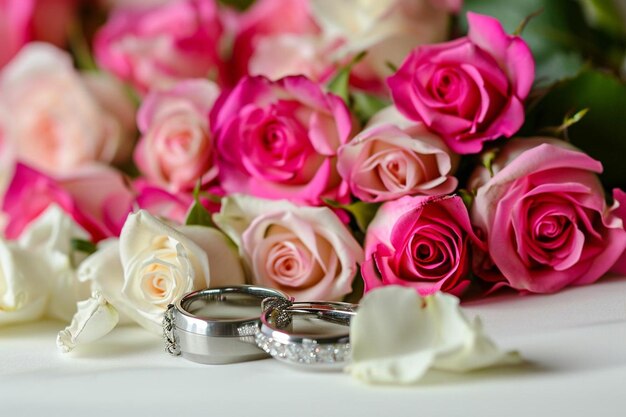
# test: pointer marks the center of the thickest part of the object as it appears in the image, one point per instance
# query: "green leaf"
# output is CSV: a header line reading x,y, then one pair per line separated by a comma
x,y
364,105
601,132
362,213
467,197
84,246
198,215
487,159
604,15
340,84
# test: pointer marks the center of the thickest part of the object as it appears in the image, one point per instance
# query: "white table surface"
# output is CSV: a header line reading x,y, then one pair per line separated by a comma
x,y
574,342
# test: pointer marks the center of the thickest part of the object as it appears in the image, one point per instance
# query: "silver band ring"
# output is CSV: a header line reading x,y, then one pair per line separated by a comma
x,y
217,325
313,335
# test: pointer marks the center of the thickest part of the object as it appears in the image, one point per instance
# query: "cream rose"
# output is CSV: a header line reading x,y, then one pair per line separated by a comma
x,y
387,29
56,124
153,265
305,251
394,157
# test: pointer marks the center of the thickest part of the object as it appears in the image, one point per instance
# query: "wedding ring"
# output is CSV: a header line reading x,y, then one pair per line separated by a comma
x,y
313,335
217,325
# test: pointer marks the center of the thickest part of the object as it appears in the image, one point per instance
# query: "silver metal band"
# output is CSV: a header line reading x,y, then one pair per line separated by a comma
x,y
217,325
313,350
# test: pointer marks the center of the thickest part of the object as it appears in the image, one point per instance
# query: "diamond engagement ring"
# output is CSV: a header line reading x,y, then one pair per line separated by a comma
x,y
217,325
313,335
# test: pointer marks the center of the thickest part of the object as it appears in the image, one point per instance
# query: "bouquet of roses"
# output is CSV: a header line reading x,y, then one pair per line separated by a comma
x,y
324,148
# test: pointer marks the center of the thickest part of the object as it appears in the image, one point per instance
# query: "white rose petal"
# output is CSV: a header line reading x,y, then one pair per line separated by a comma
x,y
397,336
103,271
95,318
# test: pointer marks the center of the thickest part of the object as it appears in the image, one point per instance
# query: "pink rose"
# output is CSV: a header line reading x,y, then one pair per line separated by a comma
x,y
280,139
544,216
154,47
269,19
420,242
163,204
95,196
171,206
56,122
22,21
305,251
469,90
620,211
394,157
176,148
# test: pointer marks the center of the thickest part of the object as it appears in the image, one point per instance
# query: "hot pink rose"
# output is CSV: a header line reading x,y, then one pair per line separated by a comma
x,y
544,216
154,47
420,242
620,211
280,139
22,21
58,122
95,196
469,90
176,148
171,206
305,251
394,157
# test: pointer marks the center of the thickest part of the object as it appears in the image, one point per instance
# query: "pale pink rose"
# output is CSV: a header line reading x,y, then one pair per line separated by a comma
x,y
268,19
22,21
154,47
387,29
304,251
394,157
55,122
421,242
293,54
176,147
544,217
114,99
96,197
468,90
279,140
620,211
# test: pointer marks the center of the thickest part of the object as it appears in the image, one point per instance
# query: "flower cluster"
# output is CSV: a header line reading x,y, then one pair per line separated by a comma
x,y
321,147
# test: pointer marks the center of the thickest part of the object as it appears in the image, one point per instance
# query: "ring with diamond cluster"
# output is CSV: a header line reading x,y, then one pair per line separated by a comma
x,y
313,335
217,325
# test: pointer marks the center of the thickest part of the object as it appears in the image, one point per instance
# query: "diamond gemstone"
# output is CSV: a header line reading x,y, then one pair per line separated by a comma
x,y
308,352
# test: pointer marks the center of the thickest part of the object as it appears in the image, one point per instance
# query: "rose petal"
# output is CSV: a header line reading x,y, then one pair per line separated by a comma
x,y
94,319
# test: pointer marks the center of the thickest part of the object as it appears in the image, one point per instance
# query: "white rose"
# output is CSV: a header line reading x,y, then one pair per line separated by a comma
x,y
55,124
304,251
397,336
23,289
387,29
49,239
154,265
